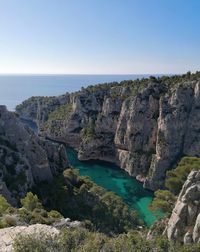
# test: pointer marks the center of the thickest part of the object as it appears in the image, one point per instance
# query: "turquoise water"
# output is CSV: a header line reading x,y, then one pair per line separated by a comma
x,y
114,179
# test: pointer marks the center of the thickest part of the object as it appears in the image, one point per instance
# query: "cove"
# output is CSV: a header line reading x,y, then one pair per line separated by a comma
x,y
114,179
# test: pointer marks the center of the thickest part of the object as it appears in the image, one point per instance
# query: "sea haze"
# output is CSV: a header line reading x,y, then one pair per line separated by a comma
x,y
16,88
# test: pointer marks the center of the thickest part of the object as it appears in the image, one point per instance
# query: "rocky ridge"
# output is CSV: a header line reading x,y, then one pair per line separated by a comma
x,y
144,126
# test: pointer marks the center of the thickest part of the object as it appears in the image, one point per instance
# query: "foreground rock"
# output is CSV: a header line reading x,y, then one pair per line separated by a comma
x,y
184,223
25,160
7,235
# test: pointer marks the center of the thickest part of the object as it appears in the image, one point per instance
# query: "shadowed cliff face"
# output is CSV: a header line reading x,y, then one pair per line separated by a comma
x,y
145,130
25,160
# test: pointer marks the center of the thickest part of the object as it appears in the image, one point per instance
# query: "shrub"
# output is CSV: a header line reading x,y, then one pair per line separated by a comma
x,y
31,202
36,243
164,200
54,214
9,220
5,207
176,177
61,113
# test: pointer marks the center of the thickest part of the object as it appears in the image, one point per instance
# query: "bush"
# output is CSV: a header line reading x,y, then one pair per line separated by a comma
x,y
5,207
36,243
61,113
164,200
9,220
80,240
31,202
176,177
54,214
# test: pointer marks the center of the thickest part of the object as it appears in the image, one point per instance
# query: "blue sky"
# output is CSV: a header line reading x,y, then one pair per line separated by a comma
x,y
99,36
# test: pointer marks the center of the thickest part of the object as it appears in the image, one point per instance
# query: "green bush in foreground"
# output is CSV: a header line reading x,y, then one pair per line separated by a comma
x,y
31,202
84,241
5,207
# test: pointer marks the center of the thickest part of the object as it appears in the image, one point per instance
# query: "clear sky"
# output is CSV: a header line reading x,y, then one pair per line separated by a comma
x,y
99,36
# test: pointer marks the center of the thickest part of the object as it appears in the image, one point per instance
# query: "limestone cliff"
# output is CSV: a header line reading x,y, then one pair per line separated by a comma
x,y
24,159
184,223
144,126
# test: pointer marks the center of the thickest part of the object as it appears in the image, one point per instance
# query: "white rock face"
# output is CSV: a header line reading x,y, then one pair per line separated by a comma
x,y
184,223
7,235
143,132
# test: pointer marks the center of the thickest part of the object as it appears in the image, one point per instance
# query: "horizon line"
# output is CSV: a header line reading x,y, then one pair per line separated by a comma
x,y
149,74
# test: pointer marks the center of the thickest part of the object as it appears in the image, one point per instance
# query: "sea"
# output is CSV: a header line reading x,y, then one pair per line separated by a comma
x,y
16,88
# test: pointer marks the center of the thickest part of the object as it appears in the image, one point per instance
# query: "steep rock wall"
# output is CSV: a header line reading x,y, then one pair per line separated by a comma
x,y
144,131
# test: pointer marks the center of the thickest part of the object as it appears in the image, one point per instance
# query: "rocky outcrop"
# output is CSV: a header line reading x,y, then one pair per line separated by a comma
x,y
8,235
25,160
143,127
38,108
136,133
184,223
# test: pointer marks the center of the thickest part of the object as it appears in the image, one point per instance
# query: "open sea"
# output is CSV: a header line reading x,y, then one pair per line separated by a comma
x,y
16,88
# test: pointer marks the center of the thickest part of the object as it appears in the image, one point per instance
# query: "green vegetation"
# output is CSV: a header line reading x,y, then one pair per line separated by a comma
x,y
78,198
164,200
83,240
5,207
61,113
31,202
137,85
176,177
88,132
31,212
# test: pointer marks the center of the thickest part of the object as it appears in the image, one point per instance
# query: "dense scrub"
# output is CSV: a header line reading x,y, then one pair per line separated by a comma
x,y
78,198
175,178
74,197
31,212
139,84
84,240
61,113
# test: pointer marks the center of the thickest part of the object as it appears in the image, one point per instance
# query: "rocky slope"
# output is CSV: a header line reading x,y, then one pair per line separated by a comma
x,y
184,223
9,234
144,126
25,159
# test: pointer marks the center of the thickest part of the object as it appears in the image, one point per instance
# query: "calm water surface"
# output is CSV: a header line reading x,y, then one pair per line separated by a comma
x,y
16,88
112,178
